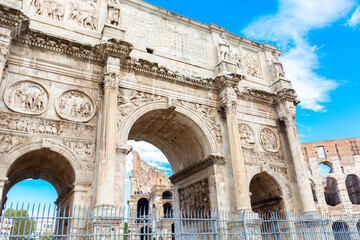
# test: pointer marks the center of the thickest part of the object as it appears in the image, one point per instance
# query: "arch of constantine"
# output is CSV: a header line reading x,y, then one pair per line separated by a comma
x,y
79,78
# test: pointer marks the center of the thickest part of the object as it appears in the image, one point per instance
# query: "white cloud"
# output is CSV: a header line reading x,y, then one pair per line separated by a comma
x,y
149,154
290,27
354,21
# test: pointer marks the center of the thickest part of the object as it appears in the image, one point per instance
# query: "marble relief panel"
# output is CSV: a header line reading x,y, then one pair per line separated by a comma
x,y
28,97
76,106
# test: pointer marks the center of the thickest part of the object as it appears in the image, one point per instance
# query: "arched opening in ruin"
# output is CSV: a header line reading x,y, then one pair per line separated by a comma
x,y
325,168
173,231
353,188
313,191
265,194
331,191
341,231
181,139
46,165
167,210
167,195
142,209
145,233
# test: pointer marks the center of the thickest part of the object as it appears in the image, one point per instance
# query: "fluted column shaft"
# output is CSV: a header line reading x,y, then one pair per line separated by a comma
x,y
107,153
302,177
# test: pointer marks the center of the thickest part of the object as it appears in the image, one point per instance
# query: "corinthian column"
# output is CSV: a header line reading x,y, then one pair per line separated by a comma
x,y
241,193
107,154
287,117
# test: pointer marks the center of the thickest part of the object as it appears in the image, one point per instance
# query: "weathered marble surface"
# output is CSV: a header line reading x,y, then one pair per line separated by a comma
x,y
81,78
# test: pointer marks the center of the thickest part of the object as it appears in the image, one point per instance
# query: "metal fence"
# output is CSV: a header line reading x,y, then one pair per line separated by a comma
x,y
71,222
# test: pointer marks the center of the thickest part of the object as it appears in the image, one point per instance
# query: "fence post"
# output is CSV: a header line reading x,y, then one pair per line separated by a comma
x,y
214,220
244,225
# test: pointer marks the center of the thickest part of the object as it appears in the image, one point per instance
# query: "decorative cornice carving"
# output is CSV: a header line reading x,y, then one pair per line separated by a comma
x,y
287,94
144,67
13,19
229,80
196,167
256,95
115,48
62,46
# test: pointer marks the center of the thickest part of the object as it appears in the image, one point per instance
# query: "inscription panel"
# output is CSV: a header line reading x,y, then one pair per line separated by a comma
x,y
166,35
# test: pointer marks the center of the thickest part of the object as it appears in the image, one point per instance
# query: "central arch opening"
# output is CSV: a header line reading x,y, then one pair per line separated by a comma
x,y
180,139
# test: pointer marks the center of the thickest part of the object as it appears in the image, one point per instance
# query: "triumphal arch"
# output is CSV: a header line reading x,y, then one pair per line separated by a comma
x,y
79,78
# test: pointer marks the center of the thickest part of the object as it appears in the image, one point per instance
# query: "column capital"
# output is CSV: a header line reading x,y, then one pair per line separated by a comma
x,y
124,149
111,80
288,119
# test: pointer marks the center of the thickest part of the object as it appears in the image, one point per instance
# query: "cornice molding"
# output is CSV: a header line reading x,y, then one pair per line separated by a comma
x,y
196,167
152,69
13,19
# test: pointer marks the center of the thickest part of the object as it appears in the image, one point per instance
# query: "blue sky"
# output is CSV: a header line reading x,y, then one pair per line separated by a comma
x,y
320,44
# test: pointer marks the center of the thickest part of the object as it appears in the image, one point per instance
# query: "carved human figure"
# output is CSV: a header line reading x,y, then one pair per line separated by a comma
x,y
75,104
277,65
113,12
224,48
246,135
252,65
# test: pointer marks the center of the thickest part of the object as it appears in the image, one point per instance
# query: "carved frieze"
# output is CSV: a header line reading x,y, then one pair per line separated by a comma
x,y
252,156
7,142
209,114
195,196
252,64
128,100
269,140
85,151
34,125
80,12
75,106
247,136
27,97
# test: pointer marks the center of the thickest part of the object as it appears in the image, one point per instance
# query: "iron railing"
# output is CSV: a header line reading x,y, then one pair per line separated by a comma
x,y
20,222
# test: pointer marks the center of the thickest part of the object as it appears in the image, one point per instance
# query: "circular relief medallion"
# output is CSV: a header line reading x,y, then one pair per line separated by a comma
x,y
75,106
247,136
269,140
27,97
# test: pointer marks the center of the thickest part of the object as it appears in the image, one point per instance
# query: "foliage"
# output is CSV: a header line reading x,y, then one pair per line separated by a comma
x,y
125,231
46,235
22,223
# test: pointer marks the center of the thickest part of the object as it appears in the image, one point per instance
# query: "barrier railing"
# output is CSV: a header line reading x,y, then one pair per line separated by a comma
x,y
35,222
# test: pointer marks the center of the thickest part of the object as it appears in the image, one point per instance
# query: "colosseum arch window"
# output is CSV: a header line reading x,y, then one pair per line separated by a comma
x,y
313,190
325,168
353,188
142,209
331,191
168,212
167,195
145,233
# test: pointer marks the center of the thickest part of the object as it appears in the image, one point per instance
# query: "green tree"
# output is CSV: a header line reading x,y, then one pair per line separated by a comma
x,y
125,231
23,225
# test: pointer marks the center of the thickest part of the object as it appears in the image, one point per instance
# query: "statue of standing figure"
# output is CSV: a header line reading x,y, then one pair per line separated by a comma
x,y
224,48
114,12
278,67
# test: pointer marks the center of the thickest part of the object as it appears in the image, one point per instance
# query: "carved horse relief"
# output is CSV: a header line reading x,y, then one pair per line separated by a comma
x,y
26,97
